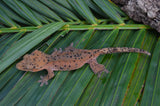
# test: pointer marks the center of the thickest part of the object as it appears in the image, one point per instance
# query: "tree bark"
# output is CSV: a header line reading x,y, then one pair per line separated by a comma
x,y
146,11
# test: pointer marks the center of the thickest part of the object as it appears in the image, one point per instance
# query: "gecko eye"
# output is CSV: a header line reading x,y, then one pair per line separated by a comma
x,y
29,66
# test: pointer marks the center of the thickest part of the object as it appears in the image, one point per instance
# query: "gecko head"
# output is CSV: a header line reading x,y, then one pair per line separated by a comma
x,y
33,62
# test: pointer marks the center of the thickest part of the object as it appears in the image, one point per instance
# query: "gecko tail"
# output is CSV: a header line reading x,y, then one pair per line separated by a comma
x,y
123,50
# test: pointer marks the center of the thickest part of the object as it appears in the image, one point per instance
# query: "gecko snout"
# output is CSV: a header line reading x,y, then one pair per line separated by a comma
x,y
18,66
22,66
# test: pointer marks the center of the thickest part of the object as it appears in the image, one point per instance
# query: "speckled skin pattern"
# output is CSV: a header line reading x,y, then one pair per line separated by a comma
x,y
68,60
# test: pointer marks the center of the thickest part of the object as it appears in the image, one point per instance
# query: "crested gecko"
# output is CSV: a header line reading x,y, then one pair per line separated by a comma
x,y
68,60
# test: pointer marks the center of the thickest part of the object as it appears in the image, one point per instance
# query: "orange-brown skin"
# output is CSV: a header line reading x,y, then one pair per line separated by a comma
x,y
68,60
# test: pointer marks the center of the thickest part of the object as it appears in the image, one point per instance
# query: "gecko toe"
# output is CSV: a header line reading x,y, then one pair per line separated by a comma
x,y
55,49
106,71
60,50
99,74
46,82
41,84
39,80
41,77
71,45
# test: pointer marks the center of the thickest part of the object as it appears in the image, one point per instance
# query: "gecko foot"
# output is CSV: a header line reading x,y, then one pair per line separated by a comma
x,y
106,71
44,80
71,45
99,73
55,49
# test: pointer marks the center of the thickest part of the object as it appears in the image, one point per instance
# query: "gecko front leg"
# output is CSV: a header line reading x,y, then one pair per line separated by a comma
x,y
44,79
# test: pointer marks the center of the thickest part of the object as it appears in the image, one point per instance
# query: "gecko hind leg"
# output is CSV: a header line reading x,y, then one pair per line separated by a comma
x,y
97,68
44,79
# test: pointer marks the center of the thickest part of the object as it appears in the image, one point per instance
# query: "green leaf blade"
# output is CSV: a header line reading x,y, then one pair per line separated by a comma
x,y
135,87
20,8
41,8
152,87
83,10
109,10
119,80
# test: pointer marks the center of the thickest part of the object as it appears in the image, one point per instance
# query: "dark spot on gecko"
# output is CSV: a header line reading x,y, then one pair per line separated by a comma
x,y
61,68
64,65
67,54
85,52
89,53
109,50
69,66
52,58
81,57
90,56
137,50
70,56
78,55
43,60
71,50
74,60
48,60
129,50
114,49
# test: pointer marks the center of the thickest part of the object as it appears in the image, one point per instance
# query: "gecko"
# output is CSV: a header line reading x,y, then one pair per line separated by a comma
x,y
69,59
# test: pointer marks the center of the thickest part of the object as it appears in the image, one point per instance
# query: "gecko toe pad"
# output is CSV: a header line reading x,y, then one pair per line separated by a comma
x,y
43,81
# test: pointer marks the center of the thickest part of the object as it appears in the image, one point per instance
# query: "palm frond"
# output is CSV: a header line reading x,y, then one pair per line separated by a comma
x,y
27,25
